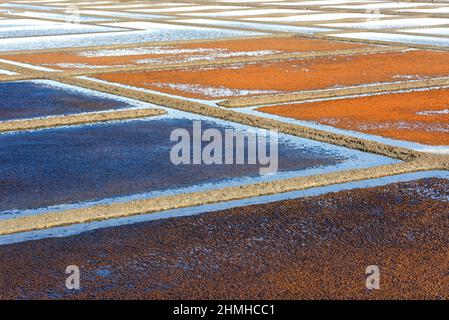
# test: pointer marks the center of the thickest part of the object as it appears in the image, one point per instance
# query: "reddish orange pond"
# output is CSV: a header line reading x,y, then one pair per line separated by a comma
x,y
166,54
265,78
421,116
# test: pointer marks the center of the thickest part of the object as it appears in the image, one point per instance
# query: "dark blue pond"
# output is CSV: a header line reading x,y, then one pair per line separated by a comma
x,y
29,99
70,165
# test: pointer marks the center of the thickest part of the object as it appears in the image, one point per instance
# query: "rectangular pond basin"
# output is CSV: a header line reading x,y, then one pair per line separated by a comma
x,y
246,12
258,26
319,17
122,159
396,38
118,14
418,116
181,53
155,33
286,76
60,16
49,28
41,98
390,24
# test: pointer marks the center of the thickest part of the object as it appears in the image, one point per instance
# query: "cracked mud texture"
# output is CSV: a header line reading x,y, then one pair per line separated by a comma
x,y
100,58
310,248
268,78
70,165
29,99
421,116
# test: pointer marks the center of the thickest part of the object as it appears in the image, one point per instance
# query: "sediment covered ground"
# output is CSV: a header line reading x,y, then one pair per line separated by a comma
x,y
315,247
413,116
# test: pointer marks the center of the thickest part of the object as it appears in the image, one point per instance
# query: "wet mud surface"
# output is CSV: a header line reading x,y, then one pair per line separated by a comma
x,y
308,248
88,59
70,165
265,78
421,117
30,99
